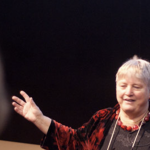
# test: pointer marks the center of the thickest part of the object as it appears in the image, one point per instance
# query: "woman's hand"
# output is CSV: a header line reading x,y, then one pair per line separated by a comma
x,y
30,111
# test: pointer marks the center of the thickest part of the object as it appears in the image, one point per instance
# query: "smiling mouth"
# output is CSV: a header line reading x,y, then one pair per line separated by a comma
x,y
129,100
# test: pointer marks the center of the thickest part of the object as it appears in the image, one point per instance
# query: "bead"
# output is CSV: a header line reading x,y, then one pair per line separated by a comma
x,y
117,112
135,127
116,117
146,118
123,127
129,128
119,123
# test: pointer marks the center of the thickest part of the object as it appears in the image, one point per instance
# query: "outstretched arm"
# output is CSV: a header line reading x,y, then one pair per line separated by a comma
x,y
30,111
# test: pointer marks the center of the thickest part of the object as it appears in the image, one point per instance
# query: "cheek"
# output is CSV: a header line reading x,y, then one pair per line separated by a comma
x,y
119,92
143,95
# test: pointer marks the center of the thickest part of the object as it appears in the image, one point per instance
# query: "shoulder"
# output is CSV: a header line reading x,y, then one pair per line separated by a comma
x,y
105,112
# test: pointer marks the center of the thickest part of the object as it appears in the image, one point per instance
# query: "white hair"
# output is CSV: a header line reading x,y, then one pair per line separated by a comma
x,y
135,67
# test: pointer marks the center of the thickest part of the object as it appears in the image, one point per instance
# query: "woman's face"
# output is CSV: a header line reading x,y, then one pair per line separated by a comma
x,y
132,95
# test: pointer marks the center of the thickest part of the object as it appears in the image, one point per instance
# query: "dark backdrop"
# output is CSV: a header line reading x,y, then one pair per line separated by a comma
x,y
65,55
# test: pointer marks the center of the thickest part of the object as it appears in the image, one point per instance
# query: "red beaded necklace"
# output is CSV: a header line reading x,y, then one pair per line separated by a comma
x,y
129,128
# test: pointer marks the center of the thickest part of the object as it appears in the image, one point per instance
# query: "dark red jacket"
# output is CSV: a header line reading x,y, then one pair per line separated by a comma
x,y
90,136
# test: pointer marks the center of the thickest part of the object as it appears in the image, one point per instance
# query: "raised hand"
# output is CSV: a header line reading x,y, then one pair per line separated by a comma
x,y
28,109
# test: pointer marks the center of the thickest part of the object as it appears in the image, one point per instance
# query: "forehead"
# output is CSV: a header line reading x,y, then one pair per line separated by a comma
x,y
130,79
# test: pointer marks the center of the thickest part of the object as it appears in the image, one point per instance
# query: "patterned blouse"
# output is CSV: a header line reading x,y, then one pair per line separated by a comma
x,y
90,136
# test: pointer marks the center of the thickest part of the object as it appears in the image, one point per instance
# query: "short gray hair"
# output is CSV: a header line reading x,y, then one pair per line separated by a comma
x,y
138,67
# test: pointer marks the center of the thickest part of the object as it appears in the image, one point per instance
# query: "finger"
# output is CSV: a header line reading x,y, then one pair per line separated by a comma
x,y
17,107
18,100
19,110
15,104
32,101
25,95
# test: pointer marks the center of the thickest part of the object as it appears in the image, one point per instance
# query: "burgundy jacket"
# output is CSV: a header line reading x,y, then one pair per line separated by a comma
x,y
90,136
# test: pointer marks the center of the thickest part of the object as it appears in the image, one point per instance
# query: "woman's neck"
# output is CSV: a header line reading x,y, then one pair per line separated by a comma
x,y
131,120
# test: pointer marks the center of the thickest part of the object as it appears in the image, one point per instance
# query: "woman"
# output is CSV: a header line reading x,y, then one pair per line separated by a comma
x,y
126,126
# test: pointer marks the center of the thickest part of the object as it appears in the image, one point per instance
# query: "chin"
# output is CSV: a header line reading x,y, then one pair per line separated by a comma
x,y
127,109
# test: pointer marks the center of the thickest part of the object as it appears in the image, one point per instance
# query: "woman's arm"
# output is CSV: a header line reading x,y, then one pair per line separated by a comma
x,y
30,111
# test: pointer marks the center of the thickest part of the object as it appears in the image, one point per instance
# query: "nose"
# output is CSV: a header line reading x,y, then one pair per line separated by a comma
x,y
129,91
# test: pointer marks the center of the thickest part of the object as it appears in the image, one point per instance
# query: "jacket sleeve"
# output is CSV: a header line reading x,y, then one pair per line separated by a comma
x,y
61,137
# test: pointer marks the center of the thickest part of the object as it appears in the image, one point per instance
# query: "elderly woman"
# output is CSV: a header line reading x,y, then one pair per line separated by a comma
x,y
125,127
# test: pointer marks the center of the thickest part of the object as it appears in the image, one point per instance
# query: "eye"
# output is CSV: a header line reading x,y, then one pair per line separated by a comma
x,y
136,87
123,85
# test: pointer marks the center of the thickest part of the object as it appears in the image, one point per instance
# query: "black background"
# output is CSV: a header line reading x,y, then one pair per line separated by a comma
x,y
65,54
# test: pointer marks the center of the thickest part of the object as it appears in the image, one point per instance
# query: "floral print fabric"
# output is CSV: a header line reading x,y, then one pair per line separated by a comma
x,y
90,136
